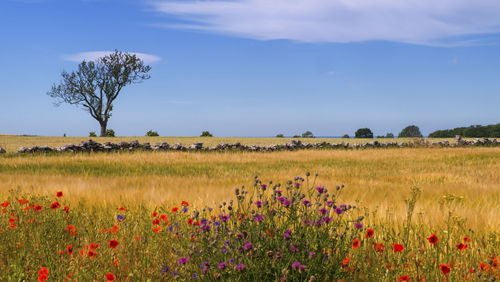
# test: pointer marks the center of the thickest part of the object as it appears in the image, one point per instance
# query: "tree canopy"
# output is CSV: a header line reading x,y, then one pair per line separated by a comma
x,y
410,131
363,133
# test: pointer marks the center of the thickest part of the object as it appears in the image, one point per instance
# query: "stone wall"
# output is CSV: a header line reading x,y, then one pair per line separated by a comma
x,y
92,146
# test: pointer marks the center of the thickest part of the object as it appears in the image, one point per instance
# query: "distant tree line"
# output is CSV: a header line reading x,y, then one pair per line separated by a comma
x,y
475,131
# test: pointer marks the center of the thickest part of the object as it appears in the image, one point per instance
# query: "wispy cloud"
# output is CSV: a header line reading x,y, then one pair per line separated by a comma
x,y
427,22
91,56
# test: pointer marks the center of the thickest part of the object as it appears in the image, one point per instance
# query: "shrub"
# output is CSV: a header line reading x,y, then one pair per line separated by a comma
x,y
206,134
296,136
363,133
152,133
346,136
411,131
92,134
110,133
389,135
280,136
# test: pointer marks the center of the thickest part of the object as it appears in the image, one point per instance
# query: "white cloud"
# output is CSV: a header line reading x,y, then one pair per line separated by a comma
x,y
427,22
92,56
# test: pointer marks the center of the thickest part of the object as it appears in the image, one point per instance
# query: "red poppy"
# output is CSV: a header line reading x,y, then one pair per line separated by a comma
x,y
43,270
404,278
345,262
5,204
71,229
356,243
22,201
190,221
155,214
175,209
66,209
122,208
114,229
43,274
184,203
467,239
93,246
157,229
164,217
433,239
398,248
156,221
462,246
91,253
369,233
484,266
69,249
55,205
379,248
59,194
110,277
37,208
444,268
113,243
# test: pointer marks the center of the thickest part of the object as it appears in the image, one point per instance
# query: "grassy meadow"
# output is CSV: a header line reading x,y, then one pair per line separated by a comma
x,y
459,196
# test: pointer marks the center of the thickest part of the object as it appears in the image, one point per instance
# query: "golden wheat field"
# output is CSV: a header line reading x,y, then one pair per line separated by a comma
x,y
378,179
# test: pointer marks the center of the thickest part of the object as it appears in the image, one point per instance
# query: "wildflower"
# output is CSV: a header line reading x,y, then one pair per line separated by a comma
x,y
306,203
294,249
113,243
69,249
258,204
43,274
164,217
114,229
110,277
184,210
258,218
404,278
183,260
358,225
240,267
71,229
398,248
93,246
320,189
379,248
356,243
59,194
184,203
369,233
156,221
175,209
157,229
66,209
444,268
55,205
222,265
462,246
312,254
345,262
323,211
122,208
467,239
37,208
22,201
298,265
339,211
120,218
154,214
247,246
91,253
5,204
433,239
287,234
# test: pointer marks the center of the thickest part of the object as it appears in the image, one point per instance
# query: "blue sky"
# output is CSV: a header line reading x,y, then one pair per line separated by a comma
x,y
258,67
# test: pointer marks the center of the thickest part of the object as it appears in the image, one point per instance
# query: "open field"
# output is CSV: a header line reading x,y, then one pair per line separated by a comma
x,y
119,204
378,179
12,142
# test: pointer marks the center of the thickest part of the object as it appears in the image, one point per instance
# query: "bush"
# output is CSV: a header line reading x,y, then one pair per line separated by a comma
x,y
307,134
280,136
110,133
411,131
346,136
296,136
389,135
92,134
206,134
152,133
363,133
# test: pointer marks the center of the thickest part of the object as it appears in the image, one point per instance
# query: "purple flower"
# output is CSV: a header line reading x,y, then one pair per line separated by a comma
x,y
120,218
194,276
323,211
165,269
258,204
312,254
206,227
298,265
358,225
222,265
247,246
327,219
263,186
306,203
294,249
184,209
320,189
297,184
329,203
224,217
258,218
287,234
339,210
240,267
307,222
278,192
183,260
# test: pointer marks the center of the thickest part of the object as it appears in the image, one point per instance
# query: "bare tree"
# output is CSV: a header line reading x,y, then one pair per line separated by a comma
x,y
97,84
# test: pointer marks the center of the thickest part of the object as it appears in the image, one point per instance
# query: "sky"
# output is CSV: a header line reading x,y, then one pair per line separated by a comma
x,y
257,67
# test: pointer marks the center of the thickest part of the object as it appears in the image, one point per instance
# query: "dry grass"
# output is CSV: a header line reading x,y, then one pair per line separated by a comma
x,y
379,178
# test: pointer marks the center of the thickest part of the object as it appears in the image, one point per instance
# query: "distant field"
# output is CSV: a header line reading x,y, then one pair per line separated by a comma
x,y
378,178
11,143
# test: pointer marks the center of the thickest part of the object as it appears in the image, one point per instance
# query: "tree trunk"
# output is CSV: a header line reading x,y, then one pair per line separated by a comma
x,y
104,125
